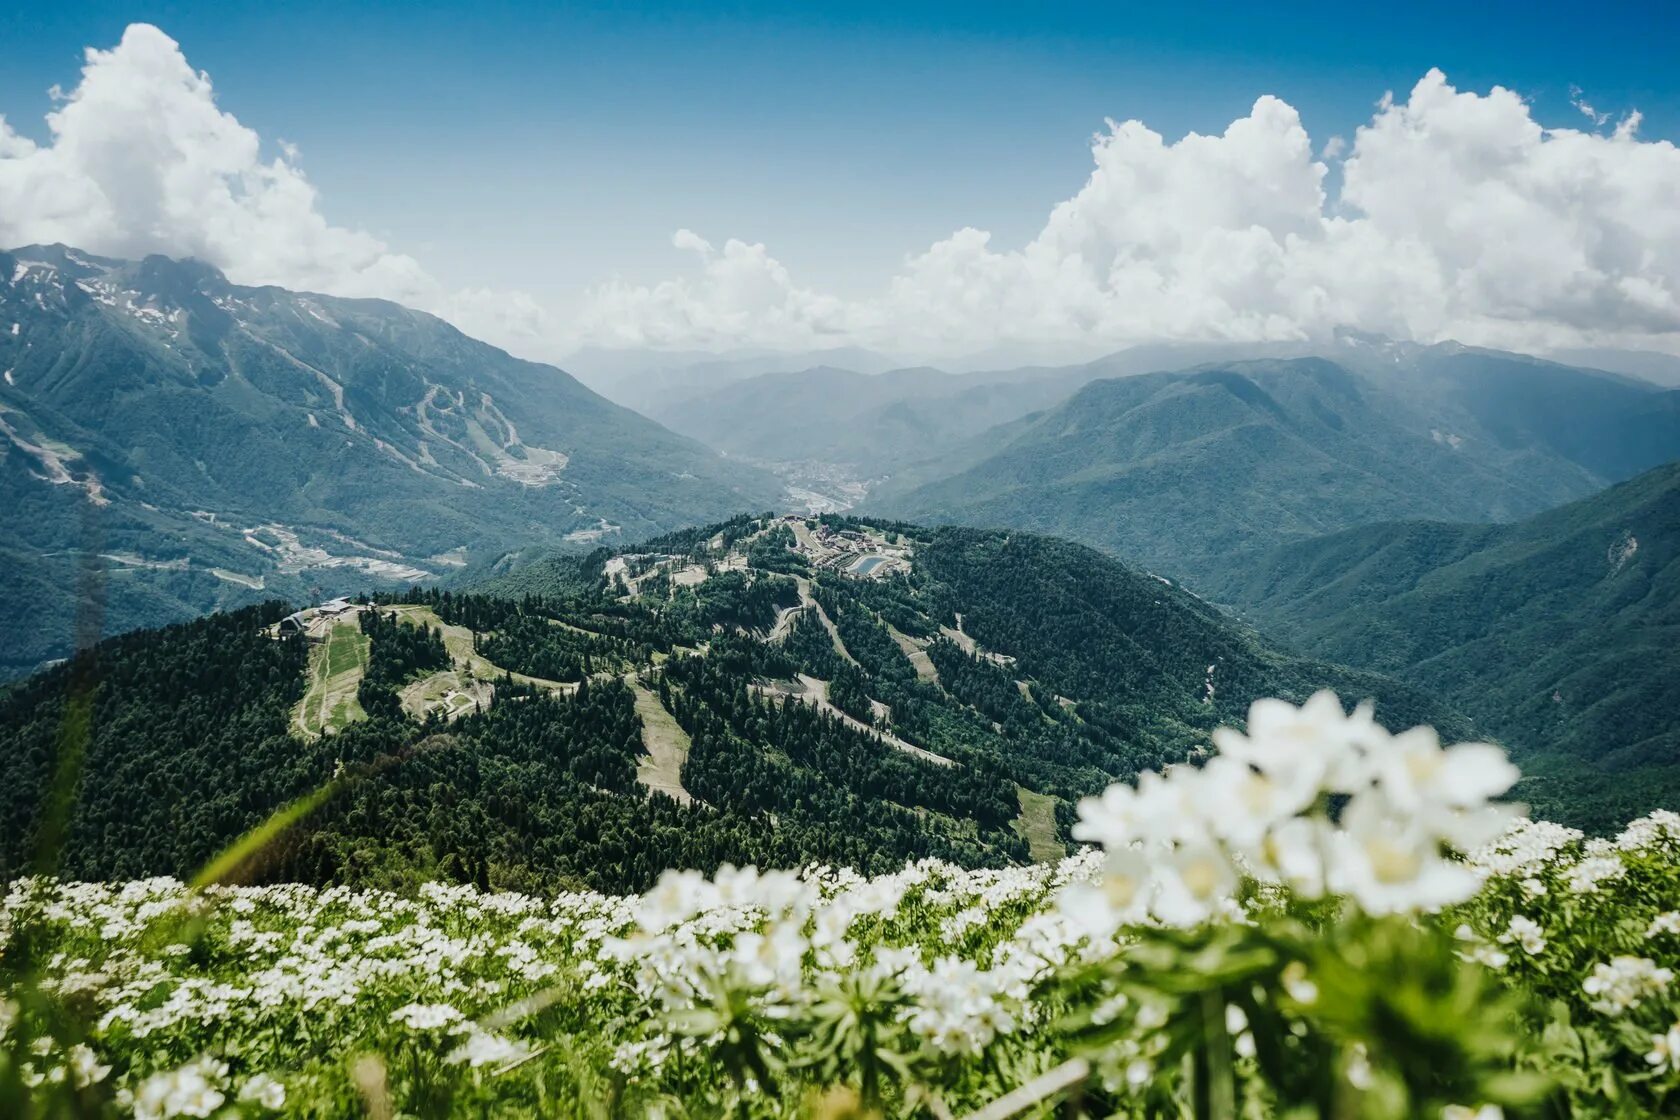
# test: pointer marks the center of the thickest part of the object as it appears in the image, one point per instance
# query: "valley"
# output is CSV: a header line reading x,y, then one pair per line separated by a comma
x,y
1173,456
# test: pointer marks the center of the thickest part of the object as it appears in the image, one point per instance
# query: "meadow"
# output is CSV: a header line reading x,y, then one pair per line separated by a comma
x,y
1325,919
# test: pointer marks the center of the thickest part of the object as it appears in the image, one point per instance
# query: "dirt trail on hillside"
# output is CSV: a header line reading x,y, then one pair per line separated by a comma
x,y
784,624
816,692
810,602
330,704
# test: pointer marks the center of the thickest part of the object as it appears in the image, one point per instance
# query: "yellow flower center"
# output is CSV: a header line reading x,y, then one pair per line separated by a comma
x,y
1391,862
1201,876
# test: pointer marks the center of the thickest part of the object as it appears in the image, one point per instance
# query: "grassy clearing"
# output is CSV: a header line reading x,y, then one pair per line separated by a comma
x,y
458,640
329,705
452,691
919,660
1037,825
666,744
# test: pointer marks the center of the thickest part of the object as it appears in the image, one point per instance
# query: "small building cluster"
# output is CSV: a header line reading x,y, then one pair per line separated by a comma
x,y
315,621
865,553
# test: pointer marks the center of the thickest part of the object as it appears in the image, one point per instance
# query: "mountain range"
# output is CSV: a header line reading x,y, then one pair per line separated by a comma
x,y
871,425
1558,634
1178,470
1492,533
212,444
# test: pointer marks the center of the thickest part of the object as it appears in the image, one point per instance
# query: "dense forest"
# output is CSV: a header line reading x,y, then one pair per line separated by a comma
x,y
1559,635
397,653
158,747
514,750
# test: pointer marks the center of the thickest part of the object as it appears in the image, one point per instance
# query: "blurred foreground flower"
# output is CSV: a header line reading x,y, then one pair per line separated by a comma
x,y
1315,798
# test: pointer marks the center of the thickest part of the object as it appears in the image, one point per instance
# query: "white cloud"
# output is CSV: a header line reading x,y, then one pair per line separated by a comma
x,y
142,161
742,295
1578,98
1457,215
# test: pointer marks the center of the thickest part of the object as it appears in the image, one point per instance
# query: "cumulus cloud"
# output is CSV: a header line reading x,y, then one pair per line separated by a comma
x,y
741,295
1458,215
141,161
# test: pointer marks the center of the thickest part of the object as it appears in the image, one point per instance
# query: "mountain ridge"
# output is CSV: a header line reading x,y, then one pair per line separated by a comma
x,y
1177,469
286,440
1557,633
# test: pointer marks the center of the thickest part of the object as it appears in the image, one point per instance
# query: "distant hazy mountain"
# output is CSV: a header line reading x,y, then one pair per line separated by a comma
x,y
648,379
869,424
1179,470
879,423
1651,365
1561,633
215,443
662,383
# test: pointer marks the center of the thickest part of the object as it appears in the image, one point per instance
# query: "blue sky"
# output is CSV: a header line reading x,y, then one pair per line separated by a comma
x,y
550,152
543,146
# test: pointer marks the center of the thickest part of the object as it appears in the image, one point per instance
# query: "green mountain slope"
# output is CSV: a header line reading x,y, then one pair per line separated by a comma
x,y
1559,634
218,443
738,693
1179,470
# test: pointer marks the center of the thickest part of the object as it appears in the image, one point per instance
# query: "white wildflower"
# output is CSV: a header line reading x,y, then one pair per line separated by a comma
x,y
1624,983
1416,773
428,1017
193,1090
1525,933
1585,877
1665,1051
1650,830
263,1091
1390,863
1525,848
482,1048
85,1066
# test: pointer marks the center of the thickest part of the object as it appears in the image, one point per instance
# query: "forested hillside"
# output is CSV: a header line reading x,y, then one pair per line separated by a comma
x,y
741,693
1558,634
213,444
